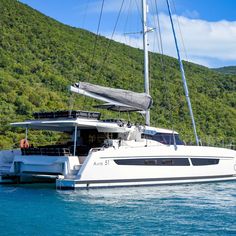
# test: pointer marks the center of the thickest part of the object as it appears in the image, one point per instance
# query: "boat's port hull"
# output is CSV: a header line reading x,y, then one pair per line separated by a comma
x,y
26,179
5,179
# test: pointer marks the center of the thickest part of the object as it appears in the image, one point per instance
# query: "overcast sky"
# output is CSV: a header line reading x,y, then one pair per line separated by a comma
x,y
208,27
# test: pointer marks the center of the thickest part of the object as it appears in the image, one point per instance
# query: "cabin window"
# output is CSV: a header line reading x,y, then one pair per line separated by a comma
x,y
154,162
204,162
165,138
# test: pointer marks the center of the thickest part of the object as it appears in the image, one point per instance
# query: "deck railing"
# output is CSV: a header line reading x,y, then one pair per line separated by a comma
x,y
214,142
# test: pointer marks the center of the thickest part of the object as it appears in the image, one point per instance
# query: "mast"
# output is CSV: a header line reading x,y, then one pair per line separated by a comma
x,y
183,75
145,48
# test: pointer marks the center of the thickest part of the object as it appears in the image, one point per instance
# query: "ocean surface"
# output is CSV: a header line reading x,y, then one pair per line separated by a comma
x,y
199,209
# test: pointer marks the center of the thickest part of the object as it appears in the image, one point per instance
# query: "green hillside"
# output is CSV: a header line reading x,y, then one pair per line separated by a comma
x,y
40,57
227,70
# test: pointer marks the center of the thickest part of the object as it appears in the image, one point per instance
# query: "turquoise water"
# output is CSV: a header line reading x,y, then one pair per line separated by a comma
x,y
200,209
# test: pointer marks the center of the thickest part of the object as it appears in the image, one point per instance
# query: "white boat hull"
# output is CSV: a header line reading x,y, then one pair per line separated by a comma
x,y
101,168
126,166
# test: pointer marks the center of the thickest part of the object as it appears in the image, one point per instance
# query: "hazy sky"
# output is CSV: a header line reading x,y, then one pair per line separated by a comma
x,y
208,27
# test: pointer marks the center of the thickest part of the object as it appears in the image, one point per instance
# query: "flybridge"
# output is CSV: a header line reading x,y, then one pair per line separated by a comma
x,y
63,121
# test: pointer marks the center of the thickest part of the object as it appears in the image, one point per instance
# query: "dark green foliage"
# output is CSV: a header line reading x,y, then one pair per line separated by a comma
x,y
226,70
40,57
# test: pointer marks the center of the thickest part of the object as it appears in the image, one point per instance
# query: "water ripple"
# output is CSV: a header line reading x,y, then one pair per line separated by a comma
x,y
199,209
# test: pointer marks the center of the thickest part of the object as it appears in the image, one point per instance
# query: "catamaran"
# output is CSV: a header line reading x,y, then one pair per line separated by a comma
x,y
114,153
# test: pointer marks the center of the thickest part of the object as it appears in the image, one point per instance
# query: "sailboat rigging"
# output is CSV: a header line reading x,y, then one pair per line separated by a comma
x,y
183,75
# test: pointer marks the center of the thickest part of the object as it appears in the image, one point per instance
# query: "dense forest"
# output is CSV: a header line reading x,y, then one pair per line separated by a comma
x,y
40,57
227,70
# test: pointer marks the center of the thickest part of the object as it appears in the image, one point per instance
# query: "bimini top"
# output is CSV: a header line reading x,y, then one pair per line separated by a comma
x,y
65,121
116,99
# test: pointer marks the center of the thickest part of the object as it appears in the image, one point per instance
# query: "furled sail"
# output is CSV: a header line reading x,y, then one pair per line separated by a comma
x,y
116,99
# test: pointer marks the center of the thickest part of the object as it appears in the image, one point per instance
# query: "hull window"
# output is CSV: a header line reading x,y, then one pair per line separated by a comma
x,y
204,162
154,162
